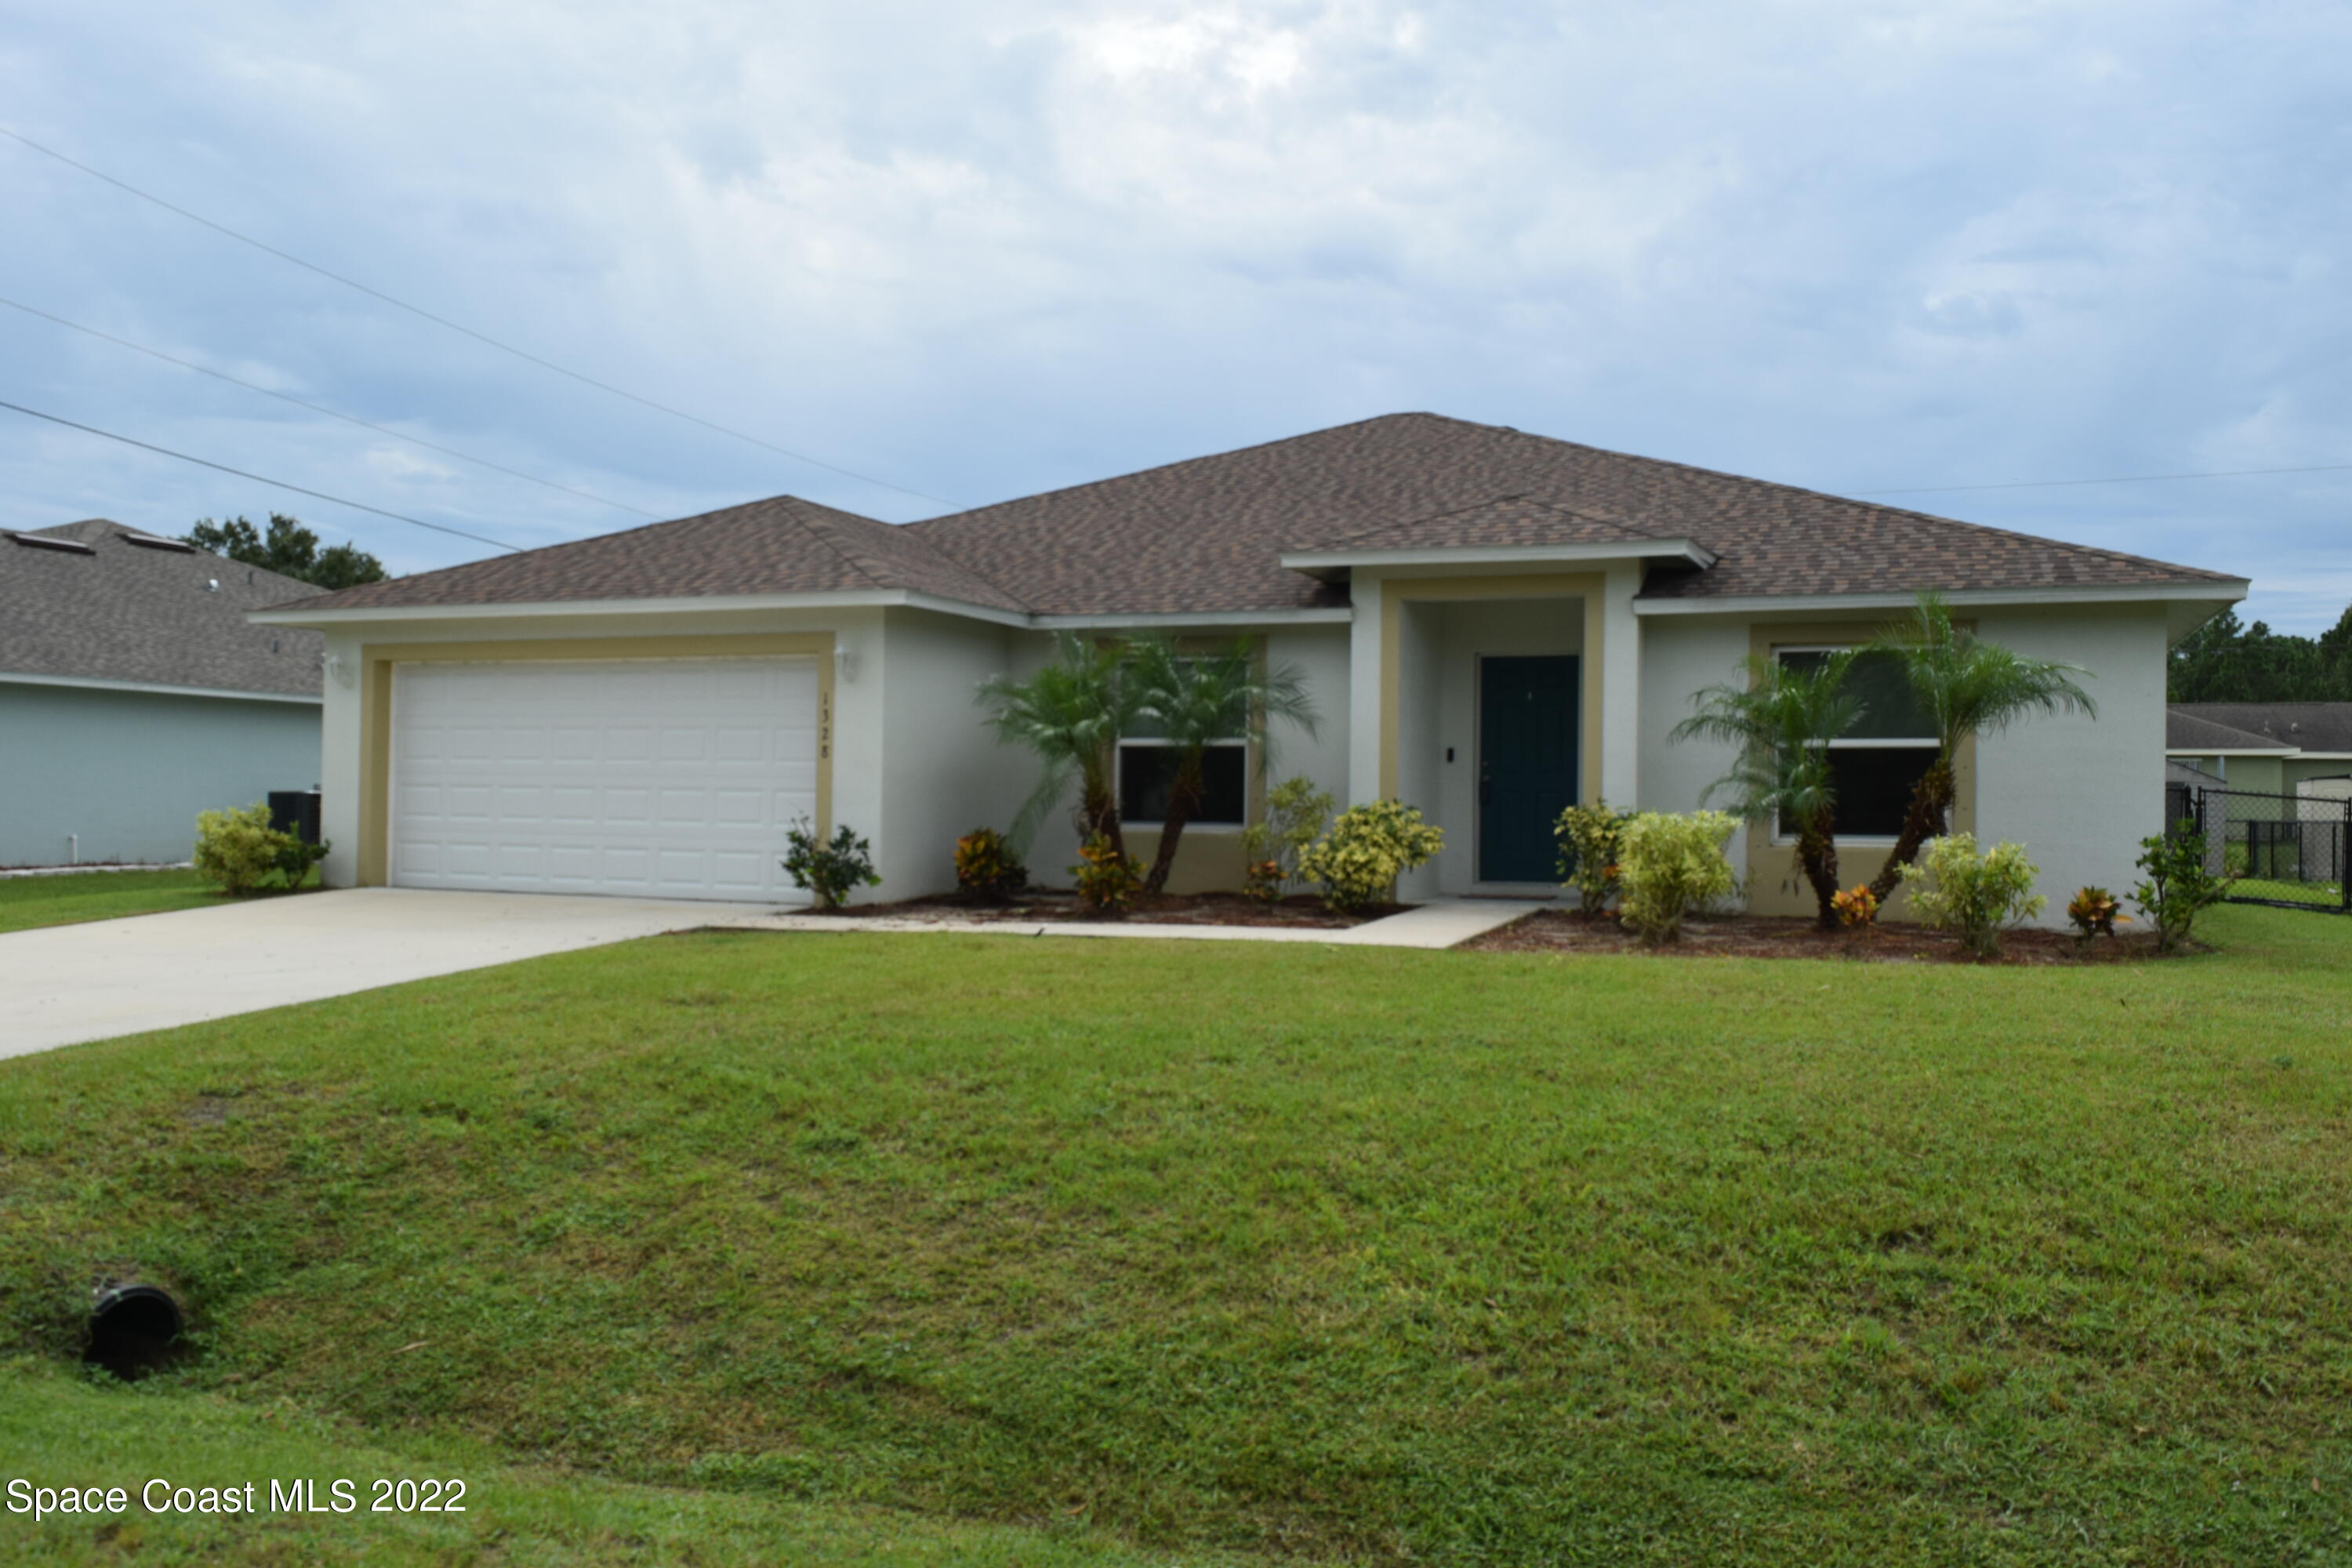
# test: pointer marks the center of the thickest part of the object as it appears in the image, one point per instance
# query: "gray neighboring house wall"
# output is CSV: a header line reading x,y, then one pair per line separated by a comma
x,y
133,693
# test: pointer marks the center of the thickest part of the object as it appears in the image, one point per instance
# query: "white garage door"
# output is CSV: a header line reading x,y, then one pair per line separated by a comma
x,y
661,778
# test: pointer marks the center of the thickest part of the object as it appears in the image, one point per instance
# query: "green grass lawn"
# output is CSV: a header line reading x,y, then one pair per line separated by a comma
x,y
703,1244
29,901
2326,896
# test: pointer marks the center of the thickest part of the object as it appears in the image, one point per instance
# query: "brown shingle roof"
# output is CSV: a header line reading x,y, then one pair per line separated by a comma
x,y
783,546
1504,522
1206,535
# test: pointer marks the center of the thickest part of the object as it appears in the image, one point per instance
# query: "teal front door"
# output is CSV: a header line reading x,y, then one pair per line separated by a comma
x,y
1528,725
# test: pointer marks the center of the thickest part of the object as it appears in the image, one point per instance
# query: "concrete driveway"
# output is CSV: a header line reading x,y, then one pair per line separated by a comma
x,y
61,985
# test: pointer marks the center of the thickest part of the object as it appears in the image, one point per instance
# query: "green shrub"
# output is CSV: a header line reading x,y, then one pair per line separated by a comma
x,y
828,870
1357,864
1295,814
1589,838
243,854
1669,864
1107,877
986,867
1954,889
2178,886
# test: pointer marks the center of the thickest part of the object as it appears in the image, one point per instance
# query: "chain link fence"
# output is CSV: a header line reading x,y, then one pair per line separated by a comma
x,y
2292,850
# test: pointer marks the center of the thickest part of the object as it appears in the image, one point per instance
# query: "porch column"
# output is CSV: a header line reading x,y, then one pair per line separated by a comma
x,y
1621,687
1365,738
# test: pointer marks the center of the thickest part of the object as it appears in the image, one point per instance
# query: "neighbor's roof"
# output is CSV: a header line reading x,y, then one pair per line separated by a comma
x,y
2185,729
2305,726
784,545
1207,534
115,610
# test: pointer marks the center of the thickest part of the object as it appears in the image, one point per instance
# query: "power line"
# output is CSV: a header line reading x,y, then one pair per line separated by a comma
x,y
258,479
321,408
469,332
2121,479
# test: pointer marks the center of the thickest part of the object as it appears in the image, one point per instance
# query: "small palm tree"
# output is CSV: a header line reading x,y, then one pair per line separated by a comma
x,y
1782,719
1964,687
1196,701
1071,714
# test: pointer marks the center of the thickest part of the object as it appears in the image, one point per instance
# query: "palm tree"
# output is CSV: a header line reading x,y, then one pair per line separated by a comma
x,y
1071,714
1196,701
1963,688
1782,719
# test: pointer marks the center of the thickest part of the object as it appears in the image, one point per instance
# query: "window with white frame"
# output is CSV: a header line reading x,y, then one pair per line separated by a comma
x,y
1873,766
1147,771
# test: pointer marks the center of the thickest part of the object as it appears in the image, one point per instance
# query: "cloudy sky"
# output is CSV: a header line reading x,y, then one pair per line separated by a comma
x,y
980,251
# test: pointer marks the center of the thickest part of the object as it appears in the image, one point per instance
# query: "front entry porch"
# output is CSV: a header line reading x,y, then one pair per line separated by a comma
x,y
1491,718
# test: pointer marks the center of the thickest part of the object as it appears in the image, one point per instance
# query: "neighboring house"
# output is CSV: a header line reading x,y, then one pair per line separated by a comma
x,y
135,693
1492,623
2274,748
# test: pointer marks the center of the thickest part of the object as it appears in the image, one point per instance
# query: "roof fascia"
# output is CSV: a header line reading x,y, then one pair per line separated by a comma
x,y
1313,561
857,598
18,678
892,598
1808,604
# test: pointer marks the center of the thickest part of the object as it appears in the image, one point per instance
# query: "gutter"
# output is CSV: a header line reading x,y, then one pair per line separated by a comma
x,y
152,687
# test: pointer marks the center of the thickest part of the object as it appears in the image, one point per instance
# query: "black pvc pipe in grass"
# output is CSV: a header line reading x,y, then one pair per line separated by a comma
x,y
134,1330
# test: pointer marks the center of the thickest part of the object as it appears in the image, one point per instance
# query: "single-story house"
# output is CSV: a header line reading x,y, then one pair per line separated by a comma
x,y
135,693
2271,748
1492,623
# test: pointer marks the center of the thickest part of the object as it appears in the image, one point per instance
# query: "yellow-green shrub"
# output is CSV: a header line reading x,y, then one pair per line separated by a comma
x,y
1357,864
1589,838
1668,865
239,850
1954,889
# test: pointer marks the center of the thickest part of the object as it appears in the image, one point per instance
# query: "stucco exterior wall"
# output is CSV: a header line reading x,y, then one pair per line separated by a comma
x,y
1682,656
2079,794
125,772
1209,859
942,771
2295,770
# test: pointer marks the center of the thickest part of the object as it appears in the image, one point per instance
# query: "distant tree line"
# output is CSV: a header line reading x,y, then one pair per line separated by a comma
x,y
288,549
2225,661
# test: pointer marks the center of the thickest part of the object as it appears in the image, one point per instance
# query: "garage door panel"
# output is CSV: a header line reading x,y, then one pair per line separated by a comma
x,y
472,743
663,777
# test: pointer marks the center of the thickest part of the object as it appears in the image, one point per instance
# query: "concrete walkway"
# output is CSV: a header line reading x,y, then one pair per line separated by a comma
x,y
1444,922
60,984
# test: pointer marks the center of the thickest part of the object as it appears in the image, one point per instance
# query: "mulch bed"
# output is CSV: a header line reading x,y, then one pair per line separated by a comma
x,y
1047,905
1775,936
